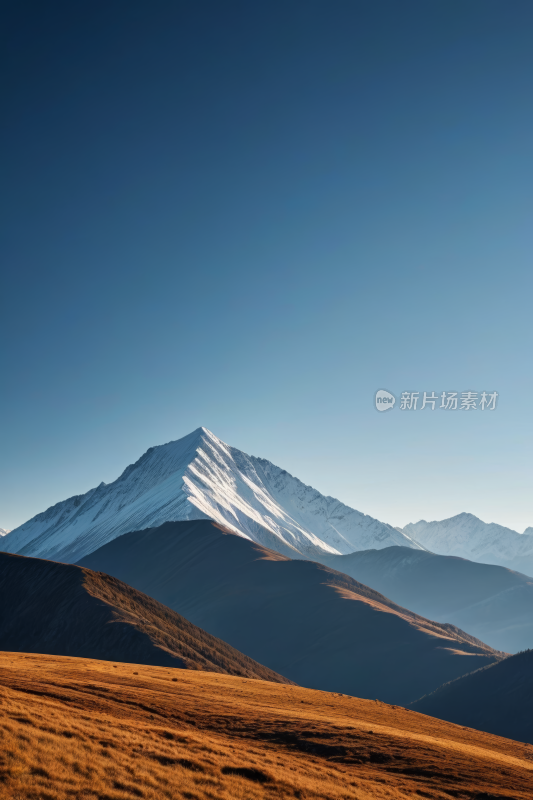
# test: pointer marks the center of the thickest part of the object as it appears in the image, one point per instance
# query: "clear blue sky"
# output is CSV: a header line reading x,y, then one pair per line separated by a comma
x,y
251,216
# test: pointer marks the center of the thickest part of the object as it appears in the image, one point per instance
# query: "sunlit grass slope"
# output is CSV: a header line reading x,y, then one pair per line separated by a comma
x,y
77,728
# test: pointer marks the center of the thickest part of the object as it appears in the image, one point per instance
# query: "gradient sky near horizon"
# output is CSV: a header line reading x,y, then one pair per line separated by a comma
x,y
251,216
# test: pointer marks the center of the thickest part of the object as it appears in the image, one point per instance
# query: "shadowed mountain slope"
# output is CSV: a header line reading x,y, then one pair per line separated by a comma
x,y
62,609
497,699
492,603
315,625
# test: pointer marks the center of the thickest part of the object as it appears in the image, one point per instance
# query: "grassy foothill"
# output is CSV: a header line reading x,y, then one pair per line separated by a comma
x,y
101,730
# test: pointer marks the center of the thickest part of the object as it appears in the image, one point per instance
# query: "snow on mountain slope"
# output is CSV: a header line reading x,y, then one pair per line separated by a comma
x,y
200,477
3,532
469,537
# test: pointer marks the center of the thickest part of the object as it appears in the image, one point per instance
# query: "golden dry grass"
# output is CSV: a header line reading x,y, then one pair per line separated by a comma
x,y
94,730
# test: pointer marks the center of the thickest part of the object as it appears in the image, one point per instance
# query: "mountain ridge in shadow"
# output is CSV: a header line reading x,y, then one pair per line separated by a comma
x,y
496,699
491,602
63,609
325,629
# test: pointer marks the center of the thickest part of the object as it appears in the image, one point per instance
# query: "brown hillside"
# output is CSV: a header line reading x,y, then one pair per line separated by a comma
x,y
62,609
94,730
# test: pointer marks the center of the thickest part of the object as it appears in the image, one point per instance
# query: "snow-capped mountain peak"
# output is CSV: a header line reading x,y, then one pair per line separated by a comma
x,y
198,477
467,536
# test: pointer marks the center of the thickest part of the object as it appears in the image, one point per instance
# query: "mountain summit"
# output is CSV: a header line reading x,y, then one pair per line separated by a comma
x,y
201,477
468,537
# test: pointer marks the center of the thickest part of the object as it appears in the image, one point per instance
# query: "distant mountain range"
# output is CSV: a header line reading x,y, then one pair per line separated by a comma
x,y
201,477
491,602
467,536
316,626
497,699
61,609
3,532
